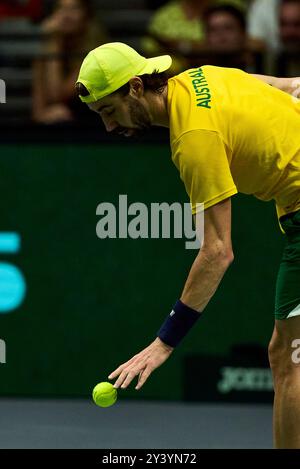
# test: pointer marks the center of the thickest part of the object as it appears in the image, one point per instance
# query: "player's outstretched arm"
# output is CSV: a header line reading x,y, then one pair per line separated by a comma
x,y
213,259
288,85
205,275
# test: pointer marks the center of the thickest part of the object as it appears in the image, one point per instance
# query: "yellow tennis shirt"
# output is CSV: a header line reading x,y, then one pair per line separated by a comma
x,y
230,133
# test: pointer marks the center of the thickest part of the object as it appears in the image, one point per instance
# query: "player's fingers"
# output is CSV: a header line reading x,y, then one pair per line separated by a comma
x,y
129,373
144,375
120,379
116,373
130,376
119,370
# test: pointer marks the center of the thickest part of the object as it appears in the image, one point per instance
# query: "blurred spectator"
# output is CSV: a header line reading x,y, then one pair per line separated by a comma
x,y
177,27
181,20
21,8
70,32
226,36
263,21
225,28
289,25
288,63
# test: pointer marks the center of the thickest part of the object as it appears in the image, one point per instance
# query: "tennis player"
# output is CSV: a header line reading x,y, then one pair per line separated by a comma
x,y
230,132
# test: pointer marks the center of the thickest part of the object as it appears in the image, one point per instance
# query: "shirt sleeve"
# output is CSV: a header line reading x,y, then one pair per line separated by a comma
x,y
203,163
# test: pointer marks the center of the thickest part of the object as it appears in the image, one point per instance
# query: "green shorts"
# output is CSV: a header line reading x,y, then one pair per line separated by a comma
x,y
287,299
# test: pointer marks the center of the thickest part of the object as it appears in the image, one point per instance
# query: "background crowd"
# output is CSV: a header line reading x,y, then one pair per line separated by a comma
x,y
42,43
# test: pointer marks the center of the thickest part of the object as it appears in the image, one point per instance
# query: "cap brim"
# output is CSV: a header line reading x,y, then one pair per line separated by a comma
x,y
157,64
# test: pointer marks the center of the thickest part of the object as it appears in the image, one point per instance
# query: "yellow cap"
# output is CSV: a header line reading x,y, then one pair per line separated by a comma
x,y
110,66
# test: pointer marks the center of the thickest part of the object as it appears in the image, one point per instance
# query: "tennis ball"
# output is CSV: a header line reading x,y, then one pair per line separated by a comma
x,y
104,394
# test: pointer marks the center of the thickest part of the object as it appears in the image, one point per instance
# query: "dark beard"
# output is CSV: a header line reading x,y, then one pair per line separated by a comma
x,y
138,116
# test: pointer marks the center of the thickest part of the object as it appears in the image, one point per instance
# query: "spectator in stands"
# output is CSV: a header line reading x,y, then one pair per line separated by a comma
x,y
289,24
288,62
181,20
70,32
177,27
263,21
31,9
225,28
226,37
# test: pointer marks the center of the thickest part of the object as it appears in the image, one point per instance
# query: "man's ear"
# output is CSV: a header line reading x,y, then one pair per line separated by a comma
x,y
136,87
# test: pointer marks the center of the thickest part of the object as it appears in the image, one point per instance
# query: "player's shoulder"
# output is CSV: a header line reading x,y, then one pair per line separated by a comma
x,y
211,70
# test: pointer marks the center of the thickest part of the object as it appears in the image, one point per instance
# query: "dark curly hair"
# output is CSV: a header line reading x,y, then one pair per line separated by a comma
x,y
154,82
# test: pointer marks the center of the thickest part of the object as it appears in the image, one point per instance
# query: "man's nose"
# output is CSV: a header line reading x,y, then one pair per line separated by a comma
x,y
110,125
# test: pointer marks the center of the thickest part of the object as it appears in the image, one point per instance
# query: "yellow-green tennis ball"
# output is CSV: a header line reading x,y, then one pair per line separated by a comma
x,y
104,394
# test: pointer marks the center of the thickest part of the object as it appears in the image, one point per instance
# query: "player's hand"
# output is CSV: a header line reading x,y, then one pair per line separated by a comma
x,y
295,88
289,85
142,364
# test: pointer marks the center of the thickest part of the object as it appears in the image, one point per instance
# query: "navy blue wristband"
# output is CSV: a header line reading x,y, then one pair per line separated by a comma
x,y
178,323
